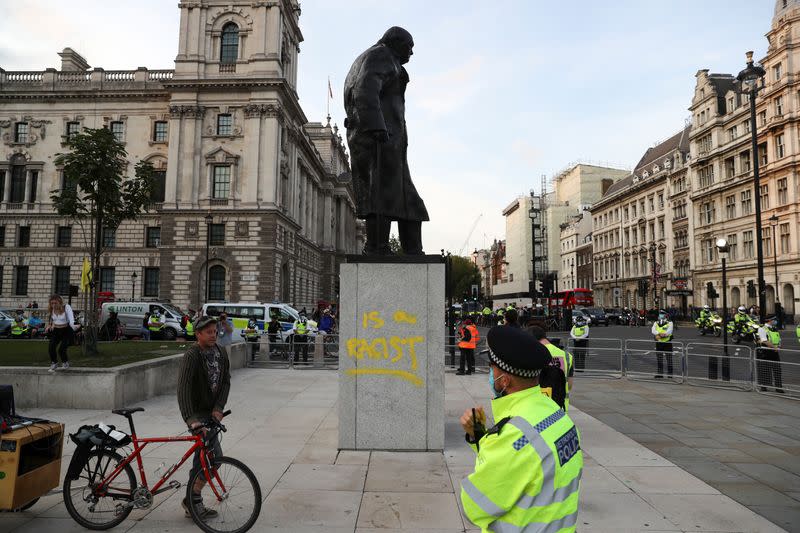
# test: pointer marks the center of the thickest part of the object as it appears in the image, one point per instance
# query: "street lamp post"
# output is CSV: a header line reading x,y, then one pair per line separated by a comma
x,y
133,284
572,271
773,222
533,214
655,282
749,80
724,248
208,218
616,279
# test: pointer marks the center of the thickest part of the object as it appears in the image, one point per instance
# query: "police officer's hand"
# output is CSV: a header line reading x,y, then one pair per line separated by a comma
x,y
382,136
466,420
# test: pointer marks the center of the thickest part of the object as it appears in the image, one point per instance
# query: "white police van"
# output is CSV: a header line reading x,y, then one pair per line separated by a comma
x,y
131,314
239,314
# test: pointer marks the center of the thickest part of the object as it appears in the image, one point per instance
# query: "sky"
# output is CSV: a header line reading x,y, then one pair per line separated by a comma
x,y
501,92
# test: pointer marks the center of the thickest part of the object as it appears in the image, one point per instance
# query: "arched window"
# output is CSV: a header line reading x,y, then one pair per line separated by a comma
x,y
216,283
229,50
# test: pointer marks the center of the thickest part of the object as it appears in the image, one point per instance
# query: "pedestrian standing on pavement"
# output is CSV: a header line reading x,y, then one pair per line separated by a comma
x,y
662,332
273,330
60,325
204,382
145,331
468,341
300,338
769,373
529,464
580,339
224,331
560,358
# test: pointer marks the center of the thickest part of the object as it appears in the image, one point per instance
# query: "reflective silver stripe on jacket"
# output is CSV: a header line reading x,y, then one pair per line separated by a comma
x,y
536,527
480,499
549,494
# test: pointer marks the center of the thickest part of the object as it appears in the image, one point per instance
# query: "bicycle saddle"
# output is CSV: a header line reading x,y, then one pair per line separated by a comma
x,y
127,412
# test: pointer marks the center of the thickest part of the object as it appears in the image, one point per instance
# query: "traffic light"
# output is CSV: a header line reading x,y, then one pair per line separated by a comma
x,y
751,289
547,285
711,292
643,286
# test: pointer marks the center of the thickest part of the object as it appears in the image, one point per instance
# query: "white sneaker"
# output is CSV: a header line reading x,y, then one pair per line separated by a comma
x,y
65,366
53,367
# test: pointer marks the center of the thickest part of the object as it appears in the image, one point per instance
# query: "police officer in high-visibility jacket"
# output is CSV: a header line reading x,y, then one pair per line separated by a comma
x,y
767,358
580,339
662,332
560,358
468,341
528,470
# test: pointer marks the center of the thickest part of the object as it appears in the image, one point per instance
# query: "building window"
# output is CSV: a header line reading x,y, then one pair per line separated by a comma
x,y
731,104
707,213
216,283
216,236
786,246
704,144
118,129
159,190
224,124
2,185
744,161
764,197
2,236
783,191
21,134
777,70
732,247
634,236
766,237
23,236
732,133
747,204
107,279
661,228
21,280
221,186
64,237
730,168
17,193
762,154
229,49
651,204
706,175
34,185
747,244
73,128
160,131
762,118
153,237
730,206
61,281
780,148
151,282
779,106
660,201
746,126
109,237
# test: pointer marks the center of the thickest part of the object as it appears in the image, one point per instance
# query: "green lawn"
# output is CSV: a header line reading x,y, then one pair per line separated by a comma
x,y
34,353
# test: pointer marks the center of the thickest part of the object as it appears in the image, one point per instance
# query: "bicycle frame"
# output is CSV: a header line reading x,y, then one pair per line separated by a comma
x,y
140,444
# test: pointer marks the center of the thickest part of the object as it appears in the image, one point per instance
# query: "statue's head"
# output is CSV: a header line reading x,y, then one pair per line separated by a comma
x,y
400,42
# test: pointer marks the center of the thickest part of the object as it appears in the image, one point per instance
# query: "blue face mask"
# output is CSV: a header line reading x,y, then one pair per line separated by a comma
x,y
495,394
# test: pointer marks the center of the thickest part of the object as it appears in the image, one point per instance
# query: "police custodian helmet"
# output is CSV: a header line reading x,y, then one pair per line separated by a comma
x,y
516,351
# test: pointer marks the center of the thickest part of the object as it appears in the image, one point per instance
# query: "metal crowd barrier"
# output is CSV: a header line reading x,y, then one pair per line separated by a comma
x,y
719,365
452,355
643,361
777,375
271,354
600,358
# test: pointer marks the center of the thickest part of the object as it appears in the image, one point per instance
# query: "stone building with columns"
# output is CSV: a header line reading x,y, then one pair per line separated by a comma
x,y
239,168
722,189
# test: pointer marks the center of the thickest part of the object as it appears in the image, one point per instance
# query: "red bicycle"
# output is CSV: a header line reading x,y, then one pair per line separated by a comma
x,y
105,491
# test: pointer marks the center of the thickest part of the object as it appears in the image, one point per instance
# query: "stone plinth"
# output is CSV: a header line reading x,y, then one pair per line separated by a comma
x,y
391,354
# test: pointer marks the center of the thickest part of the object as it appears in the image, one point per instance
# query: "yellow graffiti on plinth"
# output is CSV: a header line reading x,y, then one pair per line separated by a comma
x,y
403,317
402,374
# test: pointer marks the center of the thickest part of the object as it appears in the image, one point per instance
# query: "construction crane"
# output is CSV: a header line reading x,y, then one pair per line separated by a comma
x,y
471,231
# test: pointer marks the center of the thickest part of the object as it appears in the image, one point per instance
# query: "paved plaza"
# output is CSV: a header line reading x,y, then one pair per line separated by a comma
x,y
284,426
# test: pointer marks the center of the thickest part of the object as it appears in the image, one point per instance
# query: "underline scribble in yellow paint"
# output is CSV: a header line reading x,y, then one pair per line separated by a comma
x,y
402,374
403,317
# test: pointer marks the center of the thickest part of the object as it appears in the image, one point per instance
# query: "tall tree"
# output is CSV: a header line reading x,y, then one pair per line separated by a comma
x,y
96,195
463,274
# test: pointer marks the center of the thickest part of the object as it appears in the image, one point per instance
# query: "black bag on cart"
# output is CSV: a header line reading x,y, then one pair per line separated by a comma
x,y
89,438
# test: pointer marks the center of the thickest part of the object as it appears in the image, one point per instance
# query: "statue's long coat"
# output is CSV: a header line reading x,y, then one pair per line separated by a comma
x,y
374,100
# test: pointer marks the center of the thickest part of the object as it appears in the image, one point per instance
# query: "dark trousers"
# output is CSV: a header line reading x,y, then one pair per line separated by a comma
x,y
726,368
664,349
216,452
63,338
467,354
253,348
769,373
301,344
580,353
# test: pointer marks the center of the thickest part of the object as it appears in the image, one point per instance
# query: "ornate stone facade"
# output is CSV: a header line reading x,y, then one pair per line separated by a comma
x,y
240,168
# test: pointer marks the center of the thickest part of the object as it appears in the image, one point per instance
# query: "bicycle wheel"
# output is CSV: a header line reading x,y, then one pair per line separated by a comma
x,y
105,511
239,501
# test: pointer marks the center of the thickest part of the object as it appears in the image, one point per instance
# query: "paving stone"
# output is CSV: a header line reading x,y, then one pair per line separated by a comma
x,y
634,514
310,508
409,510
598,479
770,475
324,477
755,494
660,480
353,457
709,512
728,455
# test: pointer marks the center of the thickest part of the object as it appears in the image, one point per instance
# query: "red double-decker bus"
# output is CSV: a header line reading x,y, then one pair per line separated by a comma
x,y
570,299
